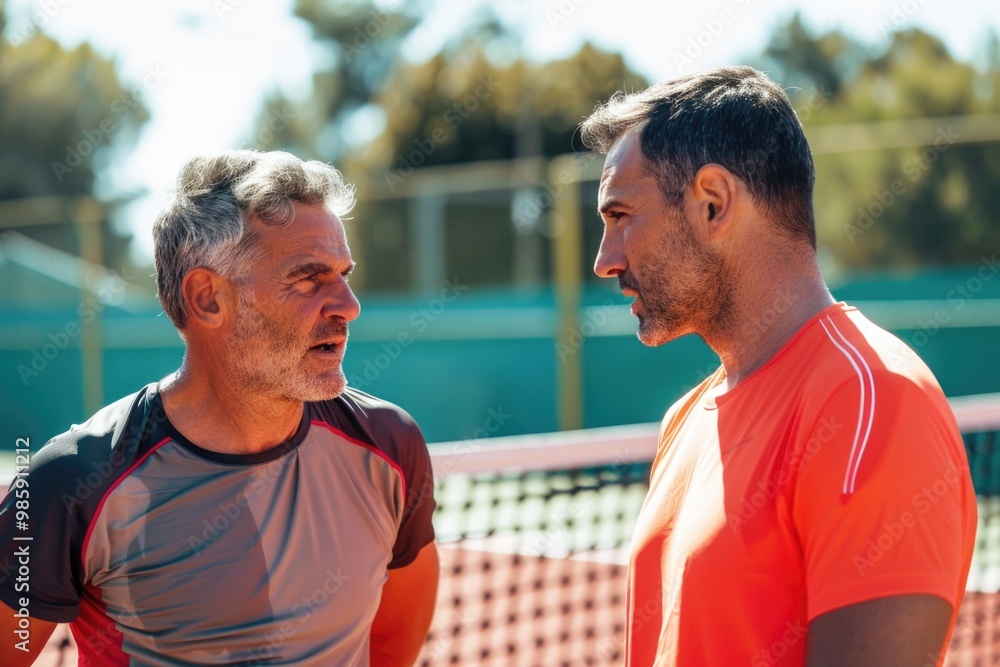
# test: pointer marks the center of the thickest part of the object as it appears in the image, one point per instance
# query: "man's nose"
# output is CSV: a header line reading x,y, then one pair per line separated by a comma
x,y
342,302
610,258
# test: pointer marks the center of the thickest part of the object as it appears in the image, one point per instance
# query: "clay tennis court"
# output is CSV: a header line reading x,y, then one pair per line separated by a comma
x,y
500,610
533,554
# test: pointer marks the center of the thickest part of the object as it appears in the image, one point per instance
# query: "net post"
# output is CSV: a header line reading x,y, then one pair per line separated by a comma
x,y
88,214
567,258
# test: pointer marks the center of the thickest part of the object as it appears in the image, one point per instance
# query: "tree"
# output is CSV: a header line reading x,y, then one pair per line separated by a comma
x,y
896,206
466,105
65,114
798,59
461,107
362,43
477,99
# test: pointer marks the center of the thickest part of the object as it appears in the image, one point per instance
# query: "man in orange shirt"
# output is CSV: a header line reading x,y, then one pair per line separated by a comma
x,y
810,503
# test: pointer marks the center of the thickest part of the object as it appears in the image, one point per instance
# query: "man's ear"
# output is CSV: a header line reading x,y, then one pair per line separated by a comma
x,y
714,191
210,298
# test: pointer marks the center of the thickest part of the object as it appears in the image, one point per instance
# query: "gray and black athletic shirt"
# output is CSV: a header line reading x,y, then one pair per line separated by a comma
x,y
160,552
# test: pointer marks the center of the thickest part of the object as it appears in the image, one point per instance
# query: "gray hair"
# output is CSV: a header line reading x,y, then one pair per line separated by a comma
x,y
733,116
207,222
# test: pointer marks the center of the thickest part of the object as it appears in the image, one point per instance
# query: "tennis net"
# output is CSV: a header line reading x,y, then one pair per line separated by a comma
x,y
534,533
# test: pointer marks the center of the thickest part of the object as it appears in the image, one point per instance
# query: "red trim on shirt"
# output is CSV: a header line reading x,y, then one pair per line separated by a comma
x,y
378,452
104,498
98,639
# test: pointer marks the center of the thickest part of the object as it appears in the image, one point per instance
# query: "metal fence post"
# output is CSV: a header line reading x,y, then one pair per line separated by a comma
x,y
567,257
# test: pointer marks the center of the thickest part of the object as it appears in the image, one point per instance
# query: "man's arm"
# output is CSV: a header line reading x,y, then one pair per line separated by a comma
x,y
897,631
404,615
39,633
887,529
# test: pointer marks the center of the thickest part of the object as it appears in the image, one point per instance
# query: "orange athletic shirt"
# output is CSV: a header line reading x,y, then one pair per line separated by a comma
x,y
832,475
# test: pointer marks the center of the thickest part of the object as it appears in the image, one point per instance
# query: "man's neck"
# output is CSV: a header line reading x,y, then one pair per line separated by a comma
x,y
219,418
764,317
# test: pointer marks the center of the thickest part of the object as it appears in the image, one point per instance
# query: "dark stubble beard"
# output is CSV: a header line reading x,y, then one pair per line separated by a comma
x,y
685,288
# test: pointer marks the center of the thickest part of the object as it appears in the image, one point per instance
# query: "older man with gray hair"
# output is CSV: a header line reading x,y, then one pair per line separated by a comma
x,y
248,508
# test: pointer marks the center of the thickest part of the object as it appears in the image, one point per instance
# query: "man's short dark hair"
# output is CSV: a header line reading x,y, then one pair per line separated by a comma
x,y
732,116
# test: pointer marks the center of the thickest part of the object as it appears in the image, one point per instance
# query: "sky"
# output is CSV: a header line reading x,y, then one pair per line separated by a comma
x,y
205,66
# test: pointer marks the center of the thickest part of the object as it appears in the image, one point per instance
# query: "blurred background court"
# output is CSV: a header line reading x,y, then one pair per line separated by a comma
x,y
474,235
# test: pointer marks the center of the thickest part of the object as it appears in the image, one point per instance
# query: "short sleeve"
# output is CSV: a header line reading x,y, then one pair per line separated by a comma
x,y
416,530
883,502
40,537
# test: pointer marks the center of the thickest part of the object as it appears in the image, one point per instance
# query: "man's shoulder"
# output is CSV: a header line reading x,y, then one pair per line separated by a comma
x,y
103,437
877,370
858,351
368,418
376,410
692,397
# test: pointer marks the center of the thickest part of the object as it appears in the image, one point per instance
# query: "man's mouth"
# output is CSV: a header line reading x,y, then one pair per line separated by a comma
x,y
627,286
327,347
